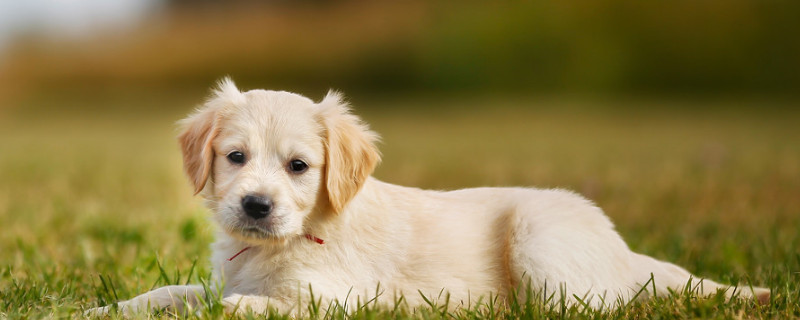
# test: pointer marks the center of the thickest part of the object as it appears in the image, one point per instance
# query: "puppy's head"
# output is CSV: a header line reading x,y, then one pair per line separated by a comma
x,y
266,160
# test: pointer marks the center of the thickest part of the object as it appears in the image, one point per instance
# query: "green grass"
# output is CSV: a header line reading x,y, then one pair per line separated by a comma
x,y
94,207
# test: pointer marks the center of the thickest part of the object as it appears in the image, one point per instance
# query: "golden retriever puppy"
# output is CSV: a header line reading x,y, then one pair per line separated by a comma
x,y
288,182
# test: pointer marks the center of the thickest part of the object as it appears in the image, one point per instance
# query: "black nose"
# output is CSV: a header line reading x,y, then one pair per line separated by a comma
x,y
256,207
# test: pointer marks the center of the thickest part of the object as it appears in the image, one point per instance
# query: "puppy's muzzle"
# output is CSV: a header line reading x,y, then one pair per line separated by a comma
x,y
256,206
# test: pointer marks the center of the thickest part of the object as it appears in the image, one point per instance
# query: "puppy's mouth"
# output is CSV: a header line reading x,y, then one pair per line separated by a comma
x,y
237,224
251,232
254,232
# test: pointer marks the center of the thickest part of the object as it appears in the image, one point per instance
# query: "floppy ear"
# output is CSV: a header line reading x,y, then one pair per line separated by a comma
x,y
351,153
198,154
199,131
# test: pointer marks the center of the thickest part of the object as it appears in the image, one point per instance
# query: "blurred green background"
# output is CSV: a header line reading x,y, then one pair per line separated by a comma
x,y
679,118
713,47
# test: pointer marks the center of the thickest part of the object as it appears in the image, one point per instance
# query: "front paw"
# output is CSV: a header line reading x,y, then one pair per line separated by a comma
x,y
124,308
234,304
248,304
97,312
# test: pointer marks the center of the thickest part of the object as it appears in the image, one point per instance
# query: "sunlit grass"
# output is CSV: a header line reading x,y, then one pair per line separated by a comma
x,y
94,207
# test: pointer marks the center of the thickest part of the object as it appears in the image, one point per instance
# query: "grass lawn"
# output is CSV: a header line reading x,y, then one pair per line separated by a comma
x,y
94,207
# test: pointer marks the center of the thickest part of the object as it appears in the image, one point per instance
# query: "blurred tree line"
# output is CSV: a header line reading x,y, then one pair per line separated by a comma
x,y
615,46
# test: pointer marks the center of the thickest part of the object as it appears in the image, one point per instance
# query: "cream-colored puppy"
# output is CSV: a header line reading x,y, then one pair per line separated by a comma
x,y
288,182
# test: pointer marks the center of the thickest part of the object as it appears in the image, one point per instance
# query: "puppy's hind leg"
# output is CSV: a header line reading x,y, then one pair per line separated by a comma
x,y
567,249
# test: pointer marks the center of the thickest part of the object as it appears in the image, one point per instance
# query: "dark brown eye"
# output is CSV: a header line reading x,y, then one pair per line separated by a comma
x,y
297,166
236,157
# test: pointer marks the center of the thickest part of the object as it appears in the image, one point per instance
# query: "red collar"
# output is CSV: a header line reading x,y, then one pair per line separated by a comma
x,y
313,238
307,236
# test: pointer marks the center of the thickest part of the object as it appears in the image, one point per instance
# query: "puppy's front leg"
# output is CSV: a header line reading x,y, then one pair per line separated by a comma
x,y
173,297
241,304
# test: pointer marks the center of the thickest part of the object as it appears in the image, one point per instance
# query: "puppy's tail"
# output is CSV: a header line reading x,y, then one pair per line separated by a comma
x,y
666,276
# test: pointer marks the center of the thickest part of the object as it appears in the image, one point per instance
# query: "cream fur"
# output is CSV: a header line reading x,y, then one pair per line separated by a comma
x,y
469,243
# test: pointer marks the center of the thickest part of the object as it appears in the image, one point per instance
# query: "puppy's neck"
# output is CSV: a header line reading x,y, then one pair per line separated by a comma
x,y
329,225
